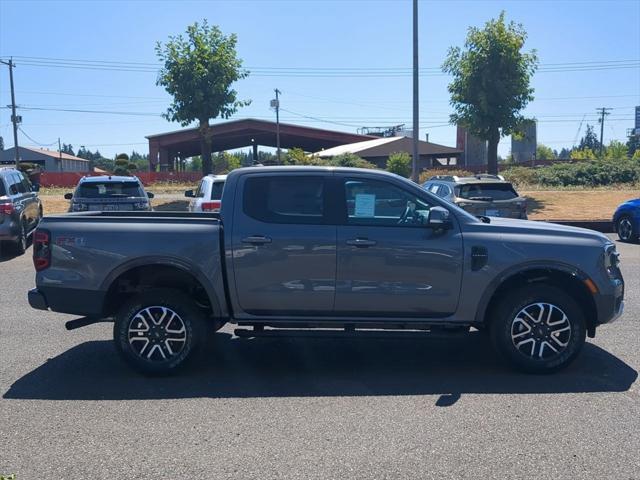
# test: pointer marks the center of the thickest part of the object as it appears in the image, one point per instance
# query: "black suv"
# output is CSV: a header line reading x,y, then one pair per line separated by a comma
x,y
20,209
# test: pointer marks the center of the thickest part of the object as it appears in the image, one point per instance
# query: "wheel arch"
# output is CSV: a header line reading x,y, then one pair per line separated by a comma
x,y
165,272
565,277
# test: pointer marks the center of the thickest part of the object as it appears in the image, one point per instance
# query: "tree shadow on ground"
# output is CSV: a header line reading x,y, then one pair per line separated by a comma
x,y
283,367
535,205
172,206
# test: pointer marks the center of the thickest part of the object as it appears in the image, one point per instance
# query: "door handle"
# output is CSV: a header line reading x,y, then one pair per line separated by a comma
x,y
361,242
256,240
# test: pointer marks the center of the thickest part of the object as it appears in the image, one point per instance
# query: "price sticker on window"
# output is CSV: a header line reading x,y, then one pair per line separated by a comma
x,y
365,205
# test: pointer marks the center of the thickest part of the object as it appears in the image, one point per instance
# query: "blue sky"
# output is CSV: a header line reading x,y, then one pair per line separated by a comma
x,y
303,34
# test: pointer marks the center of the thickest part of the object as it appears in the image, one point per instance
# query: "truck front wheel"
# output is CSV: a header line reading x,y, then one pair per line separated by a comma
x,y
538,328
158,331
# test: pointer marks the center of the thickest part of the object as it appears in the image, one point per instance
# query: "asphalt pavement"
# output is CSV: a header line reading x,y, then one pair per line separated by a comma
x,y
312,408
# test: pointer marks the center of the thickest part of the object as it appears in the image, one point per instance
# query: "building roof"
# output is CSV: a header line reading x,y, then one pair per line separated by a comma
x,y
383,147
249,131
49,153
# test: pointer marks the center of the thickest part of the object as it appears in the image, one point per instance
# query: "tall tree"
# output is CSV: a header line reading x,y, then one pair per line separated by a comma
x,y
545,153
198,72
590,140
491,82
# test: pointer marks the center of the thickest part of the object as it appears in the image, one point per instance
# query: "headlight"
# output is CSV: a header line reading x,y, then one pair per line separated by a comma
x,y
611,260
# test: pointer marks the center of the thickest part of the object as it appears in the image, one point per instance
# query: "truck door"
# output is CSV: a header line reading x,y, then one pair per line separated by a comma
x,y
389,262
284,249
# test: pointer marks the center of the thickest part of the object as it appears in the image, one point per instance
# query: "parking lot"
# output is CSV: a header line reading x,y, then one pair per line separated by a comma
x,y
312,408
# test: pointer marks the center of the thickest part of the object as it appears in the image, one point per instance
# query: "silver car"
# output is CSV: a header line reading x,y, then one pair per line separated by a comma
x,y
109,193
207,198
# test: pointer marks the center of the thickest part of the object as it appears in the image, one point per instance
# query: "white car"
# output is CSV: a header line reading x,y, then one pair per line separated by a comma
x,y
207,197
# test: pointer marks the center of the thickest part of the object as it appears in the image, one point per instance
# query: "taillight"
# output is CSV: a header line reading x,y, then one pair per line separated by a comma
x,y
41,249
213,206
6,208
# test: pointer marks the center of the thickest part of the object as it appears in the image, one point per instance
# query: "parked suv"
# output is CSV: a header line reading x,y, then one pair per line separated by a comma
x,y
20,208
208,195
109,193
480,195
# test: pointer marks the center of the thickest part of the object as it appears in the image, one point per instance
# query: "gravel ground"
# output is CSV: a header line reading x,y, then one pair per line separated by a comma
x,y
310,408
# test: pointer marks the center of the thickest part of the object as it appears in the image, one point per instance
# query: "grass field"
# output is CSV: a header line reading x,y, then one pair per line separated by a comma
x,y
543,204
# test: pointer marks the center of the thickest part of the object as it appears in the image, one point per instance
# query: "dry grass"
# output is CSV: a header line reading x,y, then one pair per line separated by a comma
x,y
543,204
575,204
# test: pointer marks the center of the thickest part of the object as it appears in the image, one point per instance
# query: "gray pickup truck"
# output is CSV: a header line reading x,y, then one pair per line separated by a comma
x,y
345,250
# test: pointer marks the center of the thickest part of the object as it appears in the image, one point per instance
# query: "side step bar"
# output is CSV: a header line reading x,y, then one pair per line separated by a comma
x,y
84,321
349,333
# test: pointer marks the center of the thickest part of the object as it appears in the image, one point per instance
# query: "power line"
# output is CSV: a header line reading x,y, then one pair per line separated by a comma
x,y
35,141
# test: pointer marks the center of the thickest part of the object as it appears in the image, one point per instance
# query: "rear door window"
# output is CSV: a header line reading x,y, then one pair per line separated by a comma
x,y
17,181
487,191
295,199
216,190
109,190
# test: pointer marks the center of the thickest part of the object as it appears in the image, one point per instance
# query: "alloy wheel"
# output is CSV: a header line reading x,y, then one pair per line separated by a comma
x,y
157,334
625,229
540,331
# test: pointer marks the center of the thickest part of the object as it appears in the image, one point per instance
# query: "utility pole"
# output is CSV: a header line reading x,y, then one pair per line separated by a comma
x,y
14,118
416,111
276,104
603,112
59,153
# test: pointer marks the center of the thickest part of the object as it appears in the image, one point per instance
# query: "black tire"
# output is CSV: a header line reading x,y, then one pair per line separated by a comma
x,y
547,346
627,231
22,241
163,353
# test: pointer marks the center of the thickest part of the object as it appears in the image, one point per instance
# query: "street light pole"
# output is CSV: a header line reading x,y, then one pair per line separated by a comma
x,y
416,111
278,124
14,117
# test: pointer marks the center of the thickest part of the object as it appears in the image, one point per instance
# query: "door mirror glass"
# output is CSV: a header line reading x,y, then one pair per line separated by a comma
x,y
438,218
68,196
150,195
189,194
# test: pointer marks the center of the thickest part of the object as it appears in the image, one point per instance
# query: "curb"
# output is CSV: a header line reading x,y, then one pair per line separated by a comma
x,y
603,226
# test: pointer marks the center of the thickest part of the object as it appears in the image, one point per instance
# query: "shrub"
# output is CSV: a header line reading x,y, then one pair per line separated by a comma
x,y
520,176
400,164
432,172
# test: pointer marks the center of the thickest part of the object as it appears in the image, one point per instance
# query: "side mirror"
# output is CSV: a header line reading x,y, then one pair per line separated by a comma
x,y
35,187
150,195
68,196
439,217
189,194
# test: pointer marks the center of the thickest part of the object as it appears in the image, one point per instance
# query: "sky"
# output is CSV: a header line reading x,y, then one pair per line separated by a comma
x,y
340,64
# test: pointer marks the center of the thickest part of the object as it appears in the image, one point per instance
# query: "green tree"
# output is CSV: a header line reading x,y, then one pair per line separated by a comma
x,y
616,150
590,140
636,155
491,82
400,164
195,165
350,160
122,165
198,72
68,149
582,154
544,153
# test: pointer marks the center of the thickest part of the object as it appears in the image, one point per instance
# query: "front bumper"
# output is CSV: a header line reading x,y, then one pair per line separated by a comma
x,y
37,299
610,306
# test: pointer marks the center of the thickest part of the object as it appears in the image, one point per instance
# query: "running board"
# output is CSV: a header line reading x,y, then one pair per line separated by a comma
x,y
350,333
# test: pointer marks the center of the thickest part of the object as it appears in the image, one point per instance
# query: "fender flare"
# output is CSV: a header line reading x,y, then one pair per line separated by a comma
x,y
499,280
165,261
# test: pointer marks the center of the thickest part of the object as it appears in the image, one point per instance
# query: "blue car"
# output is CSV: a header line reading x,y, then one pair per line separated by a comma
x,y
626,220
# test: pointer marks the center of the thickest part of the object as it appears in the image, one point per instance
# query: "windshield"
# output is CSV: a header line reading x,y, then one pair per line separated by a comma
x,y
486,191
109,190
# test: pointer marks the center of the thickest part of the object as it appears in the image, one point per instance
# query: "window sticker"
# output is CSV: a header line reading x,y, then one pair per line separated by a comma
x,y
365,205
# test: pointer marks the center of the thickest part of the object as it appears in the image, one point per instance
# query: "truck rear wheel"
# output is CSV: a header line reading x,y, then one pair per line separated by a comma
x,y
158,331
539,329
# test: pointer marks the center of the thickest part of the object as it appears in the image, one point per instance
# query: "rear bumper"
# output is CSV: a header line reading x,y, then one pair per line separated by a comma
x,y
67,300
9,230
37,300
